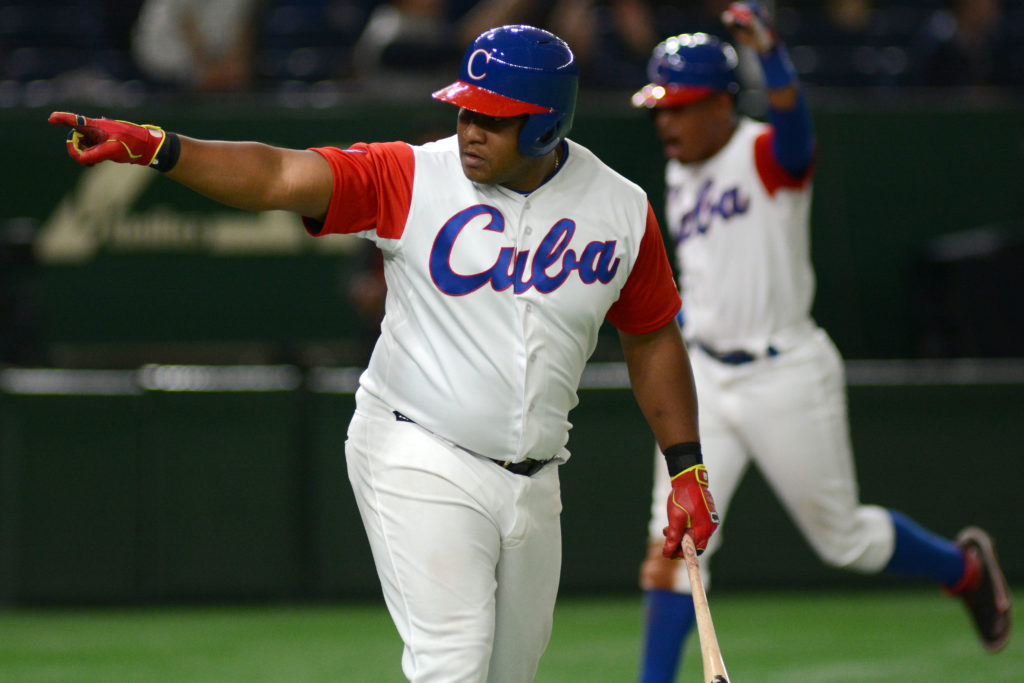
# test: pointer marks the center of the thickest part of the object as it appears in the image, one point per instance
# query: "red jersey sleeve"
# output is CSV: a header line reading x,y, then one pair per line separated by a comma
x,y
372,189
650,299
772,173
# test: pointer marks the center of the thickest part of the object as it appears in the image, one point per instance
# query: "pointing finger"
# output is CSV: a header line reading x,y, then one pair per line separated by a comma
x,y
63,118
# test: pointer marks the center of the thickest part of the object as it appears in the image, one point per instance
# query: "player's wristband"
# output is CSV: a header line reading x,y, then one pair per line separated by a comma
x,y
779,71
682,456
167,156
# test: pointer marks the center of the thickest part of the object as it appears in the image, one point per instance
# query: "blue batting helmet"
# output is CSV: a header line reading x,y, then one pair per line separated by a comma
x,y
687,68
515,70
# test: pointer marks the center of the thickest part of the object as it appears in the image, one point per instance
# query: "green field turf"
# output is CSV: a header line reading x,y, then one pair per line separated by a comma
x,y
766,637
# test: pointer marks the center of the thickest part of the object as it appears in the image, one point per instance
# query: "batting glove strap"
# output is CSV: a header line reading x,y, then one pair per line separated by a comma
x,y
167,154
682,456
698,473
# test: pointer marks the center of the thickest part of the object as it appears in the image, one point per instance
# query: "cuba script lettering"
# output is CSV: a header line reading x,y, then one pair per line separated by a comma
x,y
707,207
545,270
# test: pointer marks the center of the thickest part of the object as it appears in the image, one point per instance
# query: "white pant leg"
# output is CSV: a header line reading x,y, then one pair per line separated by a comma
x,y
794,418
451,534
725,456
528,573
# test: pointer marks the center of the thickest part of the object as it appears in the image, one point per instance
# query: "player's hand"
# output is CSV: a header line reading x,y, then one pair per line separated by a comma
x,y
750,24
93,140
691,509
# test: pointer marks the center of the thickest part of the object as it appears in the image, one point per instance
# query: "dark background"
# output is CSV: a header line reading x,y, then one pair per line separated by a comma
x,y
115,490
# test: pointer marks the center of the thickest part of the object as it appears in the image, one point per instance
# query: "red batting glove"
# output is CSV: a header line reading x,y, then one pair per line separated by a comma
x,y
750,24
690,507
94,140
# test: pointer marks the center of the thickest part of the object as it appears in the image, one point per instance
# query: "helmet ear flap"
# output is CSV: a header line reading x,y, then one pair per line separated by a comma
x,y
542,132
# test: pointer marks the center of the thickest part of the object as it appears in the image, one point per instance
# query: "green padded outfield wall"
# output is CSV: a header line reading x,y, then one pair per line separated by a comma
x,y
157,496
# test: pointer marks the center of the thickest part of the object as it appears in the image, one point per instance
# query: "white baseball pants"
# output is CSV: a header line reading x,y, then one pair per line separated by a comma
x,y
468,554
786,414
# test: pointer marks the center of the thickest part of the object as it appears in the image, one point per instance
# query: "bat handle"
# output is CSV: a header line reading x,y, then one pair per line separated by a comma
x,y
714,666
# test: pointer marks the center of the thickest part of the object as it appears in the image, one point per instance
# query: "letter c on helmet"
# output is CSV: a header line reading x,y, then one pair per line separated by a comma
x,y
469,63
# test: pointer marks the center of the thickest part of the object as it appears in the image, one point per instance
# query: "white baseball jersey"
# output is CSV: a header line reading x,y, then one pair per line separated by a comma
x,y
494,303
495,298
741,227
739,223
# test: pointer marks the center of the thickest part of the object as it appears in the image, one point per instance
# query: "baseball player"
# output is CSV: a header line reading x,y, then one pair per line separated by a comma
x,y
769,380
505,247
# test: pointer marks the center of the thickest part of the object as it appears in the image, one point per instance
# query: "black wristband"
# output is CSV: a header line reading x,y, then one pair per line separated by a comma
x,y
167,155
683,456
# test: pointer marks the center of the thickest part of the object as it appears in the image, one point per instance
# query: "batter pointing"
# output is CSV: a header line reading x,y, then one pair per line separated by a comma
x,y
505,248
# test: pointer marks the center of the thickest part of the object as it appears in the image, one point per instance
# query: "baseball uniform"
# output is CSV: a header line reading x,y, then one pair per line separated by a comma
x,y
739,223
770,382
504,248
494,303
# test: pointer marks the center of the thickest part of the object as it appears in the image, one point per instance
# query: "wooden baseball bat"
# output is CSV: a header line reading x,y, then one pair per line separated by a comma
x,y
714,666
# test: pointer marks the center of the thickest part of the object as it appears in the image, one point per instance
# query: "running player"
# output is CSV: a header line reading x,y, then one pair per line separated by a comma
x,y
769,380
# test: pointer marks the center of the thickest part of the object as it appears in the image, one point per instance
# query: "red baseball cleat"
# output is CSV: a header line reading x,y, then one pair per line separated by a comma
x,y
984,590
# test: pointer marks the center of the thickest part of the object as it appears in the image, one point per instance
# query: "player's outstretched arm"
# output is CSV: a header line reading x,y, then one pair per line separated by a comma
x,y
659,372
247,175
256,177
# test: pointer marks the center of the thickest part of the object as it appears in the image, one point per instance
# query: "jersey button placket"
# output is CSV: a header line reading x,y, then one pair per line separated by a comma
x,y
524,220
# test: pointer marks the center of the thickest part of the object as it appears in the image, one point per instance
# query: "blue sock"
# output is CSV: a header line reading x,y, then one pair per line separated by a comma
x,y
668,618
922,554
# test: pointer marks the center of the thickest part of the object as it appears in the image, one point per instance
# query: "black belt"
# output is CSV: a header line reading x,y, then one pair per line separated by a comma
x,y
736,357
526,468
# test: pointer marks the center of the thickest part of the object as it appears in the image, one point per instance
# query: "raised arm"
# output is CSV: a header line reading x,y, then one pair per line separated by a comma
x,y
246,175
793,143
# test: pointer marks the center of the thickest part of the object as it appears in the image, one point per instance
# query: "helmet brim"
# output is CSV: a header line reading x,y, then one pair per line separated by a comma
x,y
486,102
657,96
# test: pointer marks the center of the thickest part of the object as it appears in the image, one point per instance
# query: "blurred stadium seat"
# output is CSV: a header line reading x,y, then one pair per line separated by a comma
x,y
308,40
46,40
302,42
